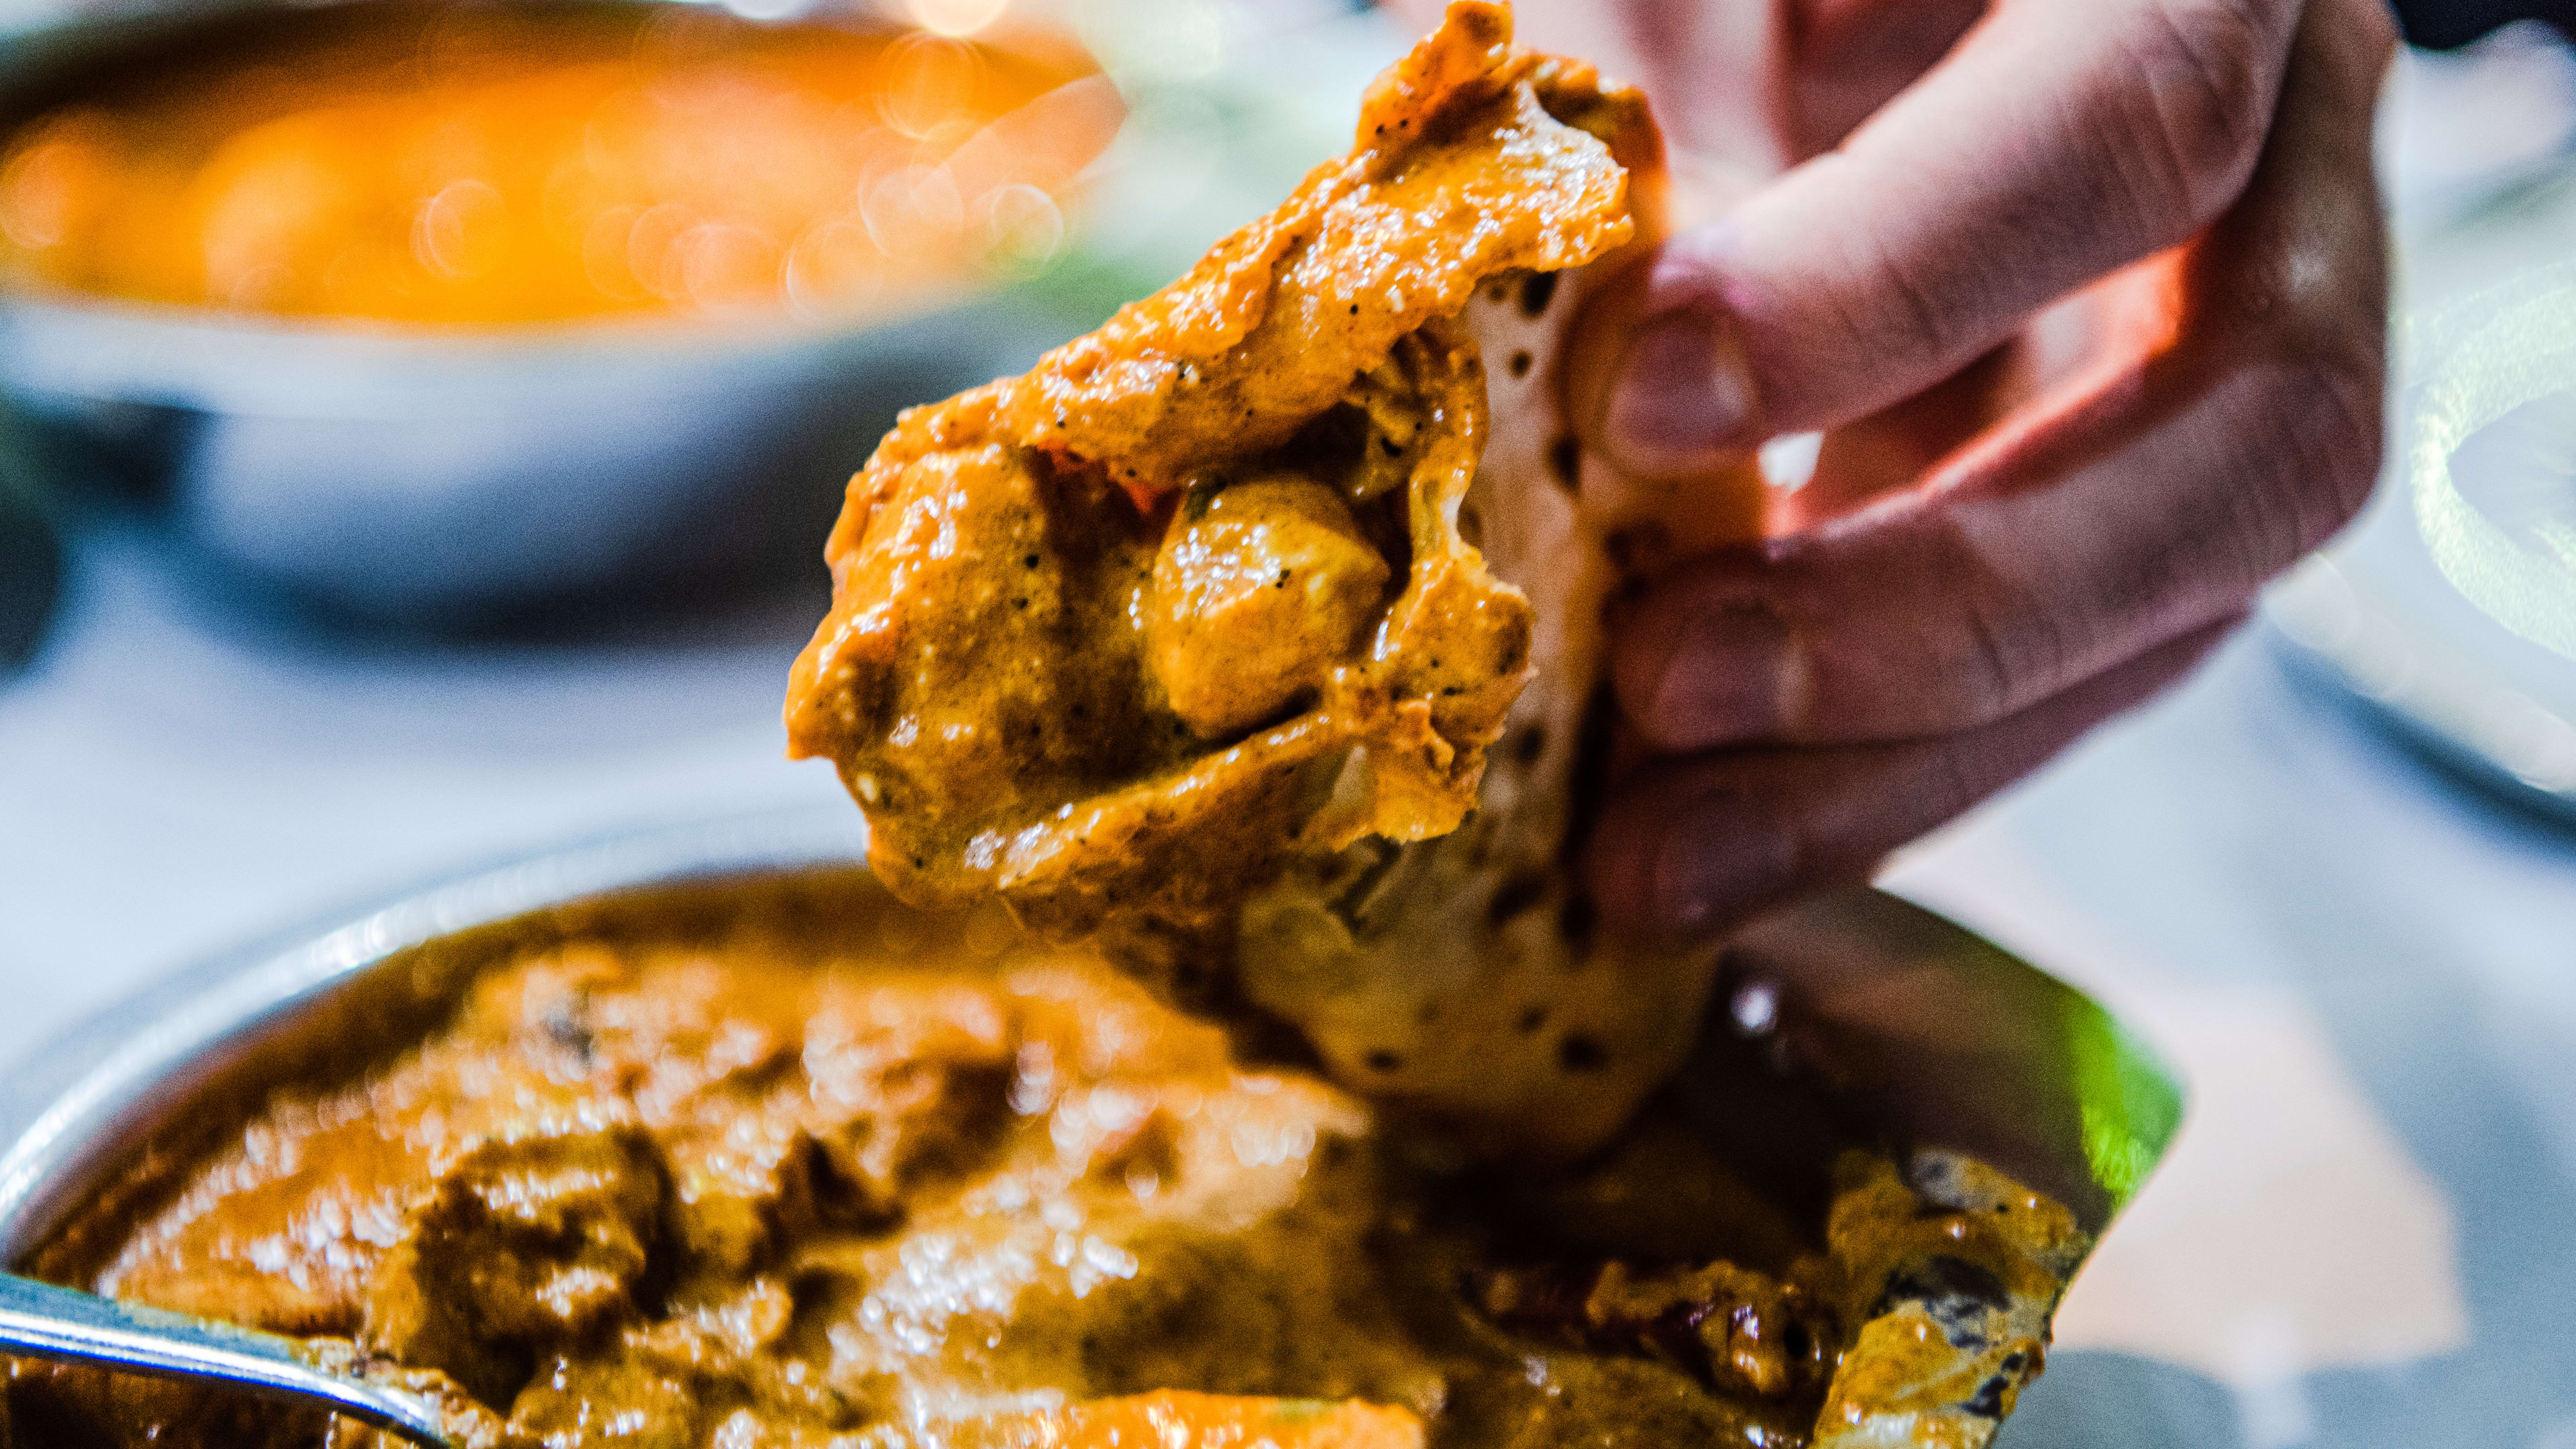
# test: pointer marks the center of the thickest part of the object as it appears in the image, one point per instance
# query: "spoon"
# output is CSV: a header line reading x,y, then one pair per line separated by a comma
x,y
43,1321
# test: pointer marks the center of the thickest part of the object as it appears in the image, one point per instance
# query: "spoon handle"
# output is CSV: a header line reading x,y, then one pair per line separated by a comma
x,y
43,1321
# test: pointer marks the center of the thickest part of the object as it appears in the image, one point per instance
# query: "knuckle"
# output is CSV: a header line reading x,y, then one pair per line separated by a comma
x,y
2192,131
2315,443
2372,26
1915,633
1980,667
2012,652
1956,779
2337,439
2330,358
1933,319
1905,289
2325,297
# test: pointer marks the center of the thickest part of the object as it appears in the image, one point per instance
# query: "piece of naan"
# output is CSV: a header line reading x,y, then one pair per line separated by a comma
x,y
1260,632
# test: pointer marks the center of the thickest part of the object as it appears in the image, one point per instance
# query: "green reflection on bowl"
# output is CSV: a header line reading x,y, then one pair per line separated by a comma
x,y
2128,1100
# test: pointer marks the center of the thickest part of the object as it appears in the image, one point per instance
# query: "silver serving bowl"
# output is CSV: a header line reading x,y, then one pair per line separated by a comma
x,y
442,480
95,1104
438,478
1931,1036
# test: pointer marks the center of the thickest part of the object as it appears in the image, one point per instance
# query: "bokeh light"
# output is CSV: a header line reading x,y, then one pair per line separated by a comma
x,y
956,17
476,165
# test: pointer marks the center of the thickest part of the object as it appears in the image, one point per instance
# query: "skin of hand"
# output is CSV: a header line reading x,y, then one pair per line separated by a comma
x,y
2089,303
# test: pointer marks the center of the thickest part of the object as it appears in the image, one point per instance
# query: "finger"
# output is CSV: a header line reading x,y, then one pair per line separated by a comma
x,y
2136,504
2056,144
1698,845
1850,57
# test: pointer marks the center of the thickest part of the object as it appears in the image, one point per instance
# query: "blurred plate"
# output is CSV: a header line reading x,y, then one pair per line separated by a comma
x,y
2451,605
447,479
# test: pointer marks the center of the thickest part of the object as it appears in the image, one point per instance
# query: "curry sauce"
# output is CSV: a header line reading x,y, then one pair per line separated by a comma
x,y
817,1169
1255,632
481,164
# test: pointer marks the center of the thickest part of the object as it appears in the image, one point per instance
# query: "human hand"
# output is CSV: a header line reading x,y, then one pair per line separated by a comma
x,y
2090,308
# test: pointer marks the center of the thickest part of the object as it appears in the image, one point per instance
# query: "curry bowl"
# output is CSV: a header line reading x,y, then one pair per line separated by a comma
x,y
1854,1022
417,474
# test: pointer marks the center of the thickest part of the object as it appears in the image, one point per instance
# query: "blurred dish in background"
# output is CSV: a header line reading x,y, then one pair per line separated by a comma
x,y
2462,129
2449,607
2452,605
482,164
442,477
435,317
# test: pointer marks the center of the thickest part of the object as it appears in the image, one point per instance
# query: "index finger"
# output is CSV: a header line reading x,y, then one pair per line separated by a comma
x,y
2058,143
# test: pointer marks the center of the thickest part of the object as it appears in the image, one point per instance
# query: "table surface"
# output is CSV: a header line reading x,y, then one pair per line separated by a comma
x,y
2366,1234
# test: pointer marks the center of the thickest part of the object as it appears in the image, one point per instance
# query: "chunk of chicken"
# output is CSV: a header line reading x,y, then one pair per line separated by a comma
x,y
988,680
1186,636
1260,587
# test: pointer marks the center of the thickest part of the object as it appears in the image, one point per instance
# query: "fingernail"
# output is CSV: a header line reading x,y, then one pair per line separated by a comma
x,y
1734,675
1717,862
1680,396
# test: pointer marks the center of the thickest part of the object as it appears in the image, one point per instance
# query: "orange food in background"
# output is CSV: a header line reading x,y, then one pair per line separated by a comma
x,y
485,164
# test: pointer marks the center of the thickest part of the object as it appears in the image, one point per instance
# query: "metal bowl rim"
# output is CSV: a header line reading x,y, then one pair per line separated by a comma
x,y
62,1109
628,333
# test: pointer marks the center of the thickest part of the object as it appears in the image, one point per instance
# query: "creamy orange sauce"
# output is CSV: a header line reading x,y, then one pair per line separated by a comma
x,y
1191,635
484,165
809,1168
